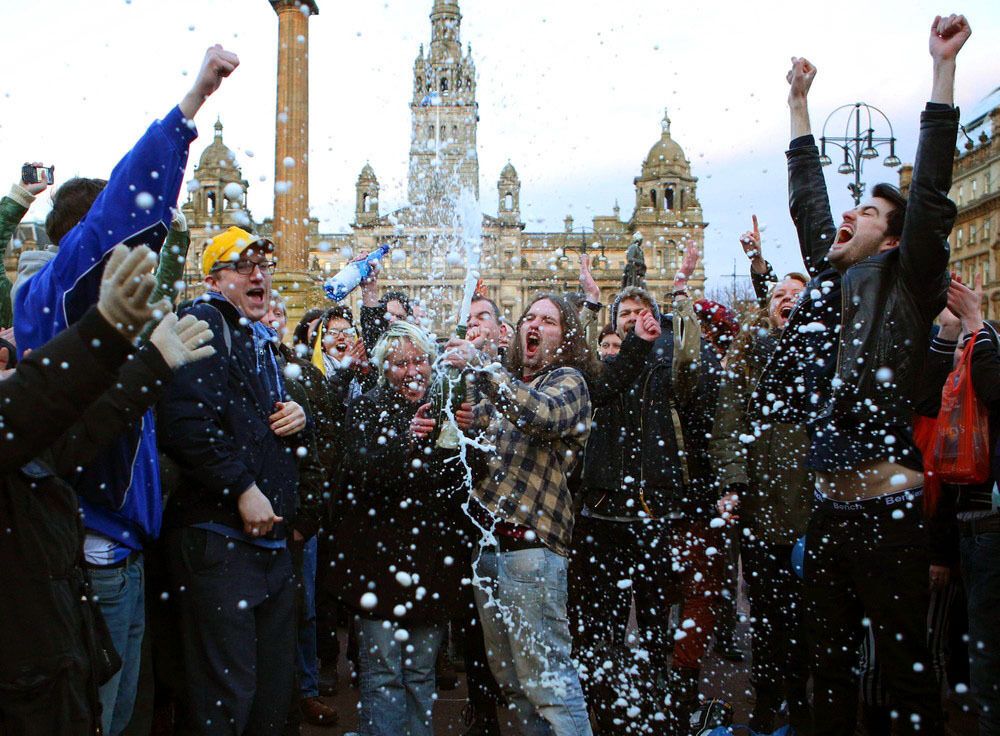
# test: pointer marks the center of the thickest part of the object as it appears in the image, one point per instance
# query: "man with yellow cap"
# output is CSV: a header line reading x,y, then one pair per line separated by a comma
x,y
234,433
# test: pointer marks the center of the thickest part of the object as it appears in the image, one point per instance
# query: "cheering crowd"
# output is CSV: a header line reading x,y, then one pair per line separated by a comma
x,y
193,496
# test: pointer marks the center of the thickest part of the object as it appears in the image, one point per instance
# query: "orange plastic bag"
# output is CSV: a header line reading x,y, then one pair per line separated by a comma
x,y
960,451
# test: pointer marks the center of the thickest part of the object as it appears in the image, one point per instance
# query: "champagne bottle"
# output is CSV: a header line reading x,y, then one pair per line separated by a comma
x,y
447,392
338,286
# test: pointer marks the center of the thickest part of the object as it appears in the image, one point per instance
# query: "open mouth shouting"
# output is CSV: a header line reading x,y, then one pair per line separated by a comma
x,y
785,311
256,297
844,234
532,343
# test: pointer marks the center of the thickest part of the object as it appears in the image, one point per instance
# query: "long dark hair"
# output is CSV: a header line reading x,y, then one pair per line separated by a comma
x,y
574,351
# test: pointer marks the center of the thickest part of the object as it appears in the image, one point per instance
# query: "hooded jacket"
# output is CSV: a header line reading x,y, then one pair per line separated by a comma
x,y
647,454
30,263
120,491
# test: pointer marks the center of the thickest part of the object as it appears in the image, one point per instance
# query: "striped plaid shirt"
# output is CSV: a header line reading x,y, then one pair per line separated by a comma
x,y
539,430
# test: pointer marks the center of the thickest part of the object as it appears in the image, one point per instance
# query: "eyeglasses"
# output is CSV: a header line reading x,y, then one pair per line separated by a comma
x,y
245,268
350,331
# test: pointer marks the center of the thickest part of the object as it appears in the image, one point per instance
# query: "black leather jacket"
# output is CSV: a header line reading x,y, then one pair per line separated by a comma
x,y
648,448
888,301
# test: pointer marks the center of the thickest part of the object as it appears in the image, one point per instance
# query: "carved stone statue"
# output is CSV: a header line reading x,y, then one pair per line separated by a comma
x,y
635,264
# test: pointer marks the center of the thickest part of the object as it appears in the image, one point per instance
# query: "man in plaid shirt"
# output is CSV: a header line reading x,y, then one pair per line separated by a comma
x,y
537,417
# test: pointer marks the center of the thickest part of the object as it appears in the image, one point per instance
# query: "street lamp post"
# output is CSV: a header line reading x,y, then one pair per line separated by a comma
x,y
859,147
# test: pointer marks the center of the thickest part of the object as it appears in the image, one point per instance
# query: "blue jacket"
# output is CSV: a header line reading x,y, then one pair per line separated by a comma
x,y
120,491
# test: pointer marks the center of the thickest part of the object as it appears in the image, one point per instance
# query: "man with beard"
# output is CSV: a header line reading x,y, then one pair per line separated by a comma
x,y
848,363
537,416
762,476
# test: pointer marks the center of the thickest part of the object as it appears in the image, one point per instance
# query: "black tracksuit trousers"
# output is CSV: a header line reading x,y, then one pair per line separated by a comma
x,y
870,561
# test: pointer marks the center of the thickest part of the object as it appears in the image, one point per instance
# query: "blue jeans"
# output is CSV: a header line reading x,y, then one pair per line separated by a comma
x,y
120,594
396,678
521,596
981,574
306,657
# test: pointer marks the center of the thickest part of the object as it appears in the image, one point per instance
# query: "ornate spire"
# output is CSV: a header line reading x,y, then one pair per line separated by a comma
x,y
446,22
218,128
665,123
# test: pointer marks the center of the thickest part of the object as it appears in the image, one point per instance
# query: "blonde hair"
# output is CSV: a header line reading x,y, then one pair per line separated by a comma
x,y
400,330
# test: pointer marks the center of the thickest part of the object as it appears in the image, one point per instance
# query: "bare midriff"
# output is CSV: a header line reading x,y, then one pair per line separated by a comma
x,y
870,480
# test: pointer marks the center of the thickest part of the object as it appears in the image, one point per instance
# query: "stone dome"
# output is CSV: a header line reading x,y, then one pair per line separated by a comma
x,y
666,156
508,172
367,173
217,152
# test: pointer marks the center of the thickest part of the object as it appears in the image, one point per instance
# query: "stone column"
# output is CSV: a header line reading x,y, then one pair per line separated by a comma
x,y
291,154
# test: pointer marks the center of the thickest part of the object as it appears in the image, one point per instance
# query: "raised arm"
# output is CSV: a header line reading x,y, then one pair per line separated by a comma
x,y
13,207
800,78
761,274
134,208
948,36
930,215
807,198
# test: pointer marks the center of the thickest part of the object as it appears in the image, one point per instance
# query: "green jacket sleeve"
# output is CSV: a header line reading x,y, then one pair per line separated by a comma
x,y
687,349
726,448
169,271
173,255
12,210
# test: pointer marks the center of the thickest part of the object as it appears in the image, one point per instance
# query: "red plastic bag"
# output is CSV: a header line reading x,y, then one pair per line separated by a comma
x,y
960,451
923,438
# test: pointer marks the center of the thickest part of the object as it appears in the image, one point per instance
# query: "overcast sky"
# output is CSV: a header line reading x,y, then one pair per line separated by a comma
x,y
571,93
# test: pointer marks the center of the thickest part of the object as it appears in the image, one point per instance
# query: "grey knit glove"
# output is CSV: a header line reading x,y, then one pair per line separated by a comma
x,y
125,288
182,341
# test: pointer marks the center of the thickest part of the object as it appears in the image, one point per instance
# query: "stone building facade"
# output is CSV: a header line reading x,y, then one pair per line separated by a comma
x,y
443,162
975,240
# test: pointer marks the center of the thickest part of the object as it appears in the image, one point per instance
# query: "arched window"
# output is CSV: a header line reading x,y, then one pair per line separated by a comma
x,y
508,202
444,84
668,198
420,82
454,132
430,131
444,132
364,202
210,204
652,198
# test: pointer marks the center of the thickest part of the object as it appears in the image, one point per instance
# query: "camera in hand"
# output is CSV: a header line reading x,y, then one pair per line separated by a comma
x,y
31,174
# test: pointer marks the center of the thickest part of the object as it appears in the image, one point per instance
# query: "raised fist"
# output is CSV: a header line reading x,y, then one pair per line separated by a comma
x,y
218,65
948,35
800,78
